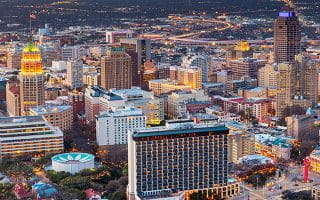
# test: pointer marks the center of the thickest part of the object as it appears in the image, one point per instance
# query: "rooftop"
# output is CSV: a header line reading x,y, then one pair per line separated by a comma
x,y
179,127
72,157
31,47
21,119
50,109
127,111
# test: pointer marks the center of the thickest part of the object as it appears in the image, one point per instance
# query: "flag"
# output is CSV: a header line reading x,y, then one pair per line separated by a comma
x,y
33,16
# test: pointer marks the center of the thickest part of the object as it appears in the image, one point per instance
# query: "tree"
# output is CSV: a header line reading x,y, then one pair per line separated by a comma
x,y
118,196
112,187
125,170
293,110
76,182
6,191
257,179
57,177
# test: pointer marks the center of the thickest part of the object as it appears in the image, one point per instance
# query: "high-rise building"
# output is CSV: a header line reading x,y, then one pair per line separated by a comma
x,y
76,100
13,99
179,157
14,58
140,51
113,126
246,67
116,70
294,85
74,74
187,76
285,87
31,79
268,76
310,79
287,36
29,135
300,126
199,61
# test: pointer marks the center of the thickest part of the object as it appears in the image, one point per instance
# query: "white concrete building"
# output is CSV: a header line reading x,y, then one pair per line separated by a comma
x,y
72,162
59,65
112,126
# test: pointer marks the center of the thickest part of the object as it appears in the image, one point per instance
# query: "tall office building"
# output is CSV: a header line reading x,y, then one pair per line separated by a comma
x,y
310,78
14,58
268,76
31,79
116,70
140,52
297,84
199,61
13,98
285,87
187,76
74,74
179,157
287,36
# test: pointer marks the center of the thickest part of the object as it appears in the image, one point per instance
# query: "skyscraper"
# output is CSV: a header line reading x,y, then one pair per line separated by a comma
x,y
140,52
287,36
31,79
116,71
297,84
179,157
74,74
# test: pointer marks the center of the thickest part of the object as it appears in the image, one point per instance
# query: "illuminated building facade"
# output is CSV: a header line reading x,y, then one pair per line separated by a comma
x,y
187,76
116,69
294,85
161,86
29,135
287,36
140,52
241,50
172,159
31,79
14,58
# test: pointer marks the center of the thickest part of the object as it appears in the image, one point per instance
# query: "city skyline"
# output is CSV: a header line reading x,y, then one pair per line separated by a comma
x,y
159,100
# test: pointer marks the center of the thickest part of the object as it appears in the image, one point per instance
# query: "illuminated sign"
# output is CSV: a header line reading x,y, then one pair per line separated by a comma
x,y
286,14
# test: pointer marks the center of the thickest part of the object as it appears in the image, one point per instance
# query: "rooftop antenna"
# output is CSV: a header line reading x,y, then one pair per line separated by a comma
x,y
32,16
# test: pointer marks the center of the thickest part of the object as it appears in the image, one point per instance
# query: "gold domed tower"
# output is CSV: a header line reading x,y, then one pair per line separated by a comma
x,y
31,79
